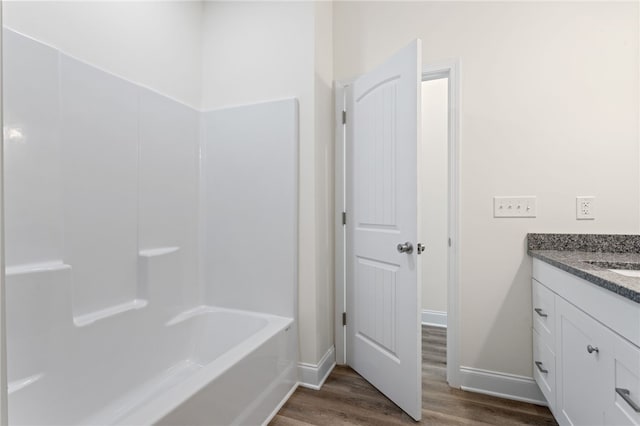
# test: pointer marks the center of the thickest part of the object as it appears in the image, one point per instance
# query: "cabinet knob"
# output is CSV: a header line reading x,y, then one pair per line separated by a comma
x,y
592,349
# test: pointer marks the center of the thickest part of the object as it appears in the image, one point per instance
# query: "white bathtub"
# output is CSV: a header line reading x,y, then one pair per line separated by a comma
x,y
206,365
119,226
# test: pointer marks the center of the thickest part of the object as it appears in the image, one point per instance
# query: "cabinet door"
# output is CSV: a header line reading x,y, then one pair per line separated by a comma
x,y
583,352
623,389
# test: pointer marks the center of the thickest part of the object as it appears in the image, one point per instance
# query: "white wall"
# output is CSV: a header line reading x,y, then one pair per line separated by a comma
x,y
261,51
435,180
324,166
550,107
153,43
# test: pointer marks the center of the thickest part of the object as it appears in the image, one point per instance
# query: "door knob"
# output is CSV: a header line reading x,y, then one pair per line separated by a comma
x,y
405,248
592,349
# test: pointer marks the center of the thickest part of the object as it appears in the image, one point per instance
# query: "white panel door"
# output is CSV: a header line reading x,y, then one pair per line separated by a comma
x,y
383,295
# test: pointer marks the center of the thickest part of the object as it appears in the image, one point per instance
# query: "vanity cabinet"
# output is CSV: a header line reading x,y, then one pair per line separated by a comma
x,y
587,370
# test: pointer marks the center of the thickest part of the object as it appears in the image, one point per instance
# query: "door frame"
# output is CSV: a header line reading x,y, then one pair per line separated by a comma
x,y
445,69
3,346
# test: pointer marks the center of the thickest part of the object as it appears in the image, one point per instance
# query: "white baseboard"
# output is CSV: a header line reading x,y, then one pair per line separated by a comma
x,y
312,376
434,318
510,386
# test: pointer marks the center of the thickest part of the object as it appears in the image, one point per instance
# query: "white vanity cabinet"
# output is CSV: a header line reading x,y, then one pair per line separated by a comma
x,y
586,349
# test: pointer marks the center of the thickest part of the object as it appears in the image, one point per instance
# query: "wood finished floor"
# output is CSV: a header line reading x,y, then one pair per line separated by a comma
x,y
348,399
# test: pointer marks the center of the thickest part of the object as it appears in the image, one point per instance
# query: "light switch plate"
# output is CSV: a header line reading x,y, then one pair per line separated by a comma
x,y
524,206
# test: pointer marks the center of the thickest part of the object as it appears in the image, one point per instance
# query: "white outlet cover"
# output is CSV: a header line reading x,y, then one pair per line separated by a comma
x,y
585,207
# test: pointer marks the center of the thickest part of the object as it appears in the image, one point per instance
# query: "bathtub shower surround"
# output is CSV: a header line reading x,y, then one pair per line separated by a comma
x,y
250,198
150,250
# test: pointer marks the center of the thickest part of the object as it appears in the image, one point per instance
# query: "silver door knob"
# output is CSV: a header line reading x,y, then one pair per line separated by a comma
x,y
405,248
592,349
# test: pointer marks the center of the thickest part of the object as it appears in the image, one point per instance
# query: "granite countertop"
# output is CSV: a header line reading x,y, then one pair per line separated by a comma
x,y
572,252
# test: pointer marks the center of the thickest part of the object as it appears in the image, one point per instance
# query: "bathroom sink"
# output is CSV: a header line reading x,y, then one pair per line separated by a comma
x,y
627,272
628,269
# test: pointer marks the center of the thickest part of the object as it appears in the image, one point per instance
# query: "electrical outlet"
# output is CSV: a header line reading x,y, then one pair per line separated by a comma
x,y
514,206
585,207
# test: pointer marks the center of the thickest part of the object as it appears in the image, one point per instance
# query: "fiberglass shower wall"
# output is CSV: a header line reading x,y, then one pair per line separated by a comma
x,y
108,216
100,175
250,207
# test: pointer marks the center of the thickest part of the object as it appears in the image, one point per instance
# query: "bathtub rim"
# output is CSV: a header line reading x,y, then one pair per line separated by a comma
x,y
158,407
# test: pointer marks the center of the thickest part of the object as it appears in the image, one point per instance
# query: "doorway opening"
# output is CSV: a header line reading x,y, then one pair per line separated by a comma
x,y
435,207
434,220
434,188
440,209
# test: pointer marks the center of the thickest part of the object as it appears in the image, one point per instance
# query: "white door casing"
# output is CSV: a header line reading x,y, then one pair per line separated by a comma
x,y
3,346
383,291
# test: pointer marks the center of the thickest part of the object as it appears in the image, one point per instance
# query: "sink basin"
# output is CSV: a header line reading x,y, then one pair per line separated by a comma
x,y
627,272
628,269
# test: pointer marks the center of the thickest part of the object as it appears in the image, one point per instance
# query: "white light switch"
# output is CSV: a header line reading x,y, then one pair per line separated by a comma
x,y
524,206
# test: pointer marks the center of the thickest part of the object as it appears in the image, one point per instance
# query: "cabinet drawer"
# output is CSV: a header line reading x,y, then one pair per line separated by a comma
x,y
623,404
544,313
544,369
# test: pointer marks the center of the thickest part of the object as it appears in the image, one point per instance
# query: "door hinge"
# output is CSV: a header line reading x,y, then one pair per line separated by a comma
x,y
344,318
449,242
344,218
344,117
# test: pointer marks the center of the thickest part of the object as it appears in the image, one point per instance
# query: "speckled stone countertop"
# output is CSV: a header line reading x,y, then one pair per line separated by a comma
x,y
573,252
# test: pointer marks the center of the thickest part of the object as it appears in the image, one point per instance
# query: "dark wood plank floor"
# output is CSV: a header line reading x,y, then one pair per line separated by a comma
x,y
347,399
